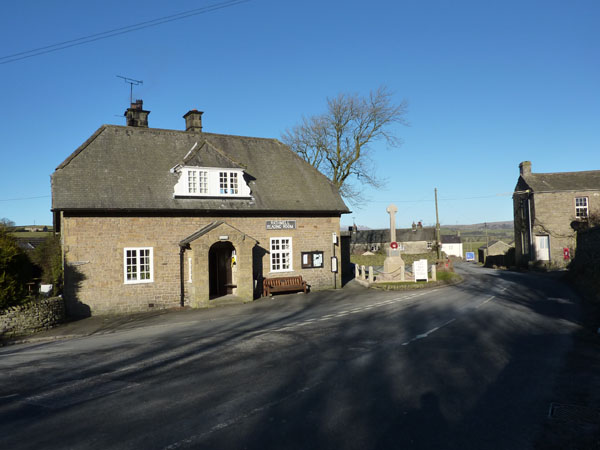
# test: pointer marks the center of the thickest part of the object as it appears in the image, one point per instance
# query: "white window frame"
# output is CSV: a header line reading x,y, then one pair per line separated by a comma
x,y
211,182
192,176
582,207
202,182
274,252
139,266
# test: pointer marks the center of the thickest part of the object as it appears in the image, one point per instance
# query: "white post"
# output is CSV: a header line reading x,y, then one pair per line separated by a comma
x,y
362,276
433,273
356,271
371,277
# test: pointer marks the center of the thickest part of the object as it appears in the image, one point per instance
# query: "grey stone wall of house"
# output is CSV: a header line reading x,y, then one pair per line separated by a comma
x,y
94,267
551,215
35,316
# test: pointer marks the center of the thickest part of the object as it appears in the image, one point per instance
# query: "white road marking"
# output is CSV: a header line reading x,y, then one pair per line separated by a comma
x,y
351,311
427,333
489,299
187,442
9,396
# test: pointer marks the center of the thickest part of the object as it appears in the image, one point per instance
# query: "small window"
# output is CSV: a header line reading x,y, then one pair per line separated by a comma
x,y
202,182
228,183
192,181
429,245
223,183
233,183
138,265
281,254
581,207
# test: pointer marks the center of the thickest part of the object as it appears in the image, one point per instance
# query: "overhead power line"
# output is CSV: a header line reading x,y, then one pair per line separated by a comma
x,y
431,200
22,198
117,31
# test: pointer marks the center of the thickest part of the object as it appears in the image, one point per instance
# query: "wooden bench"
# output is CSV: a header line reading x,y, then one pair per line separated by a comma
x,y
283,284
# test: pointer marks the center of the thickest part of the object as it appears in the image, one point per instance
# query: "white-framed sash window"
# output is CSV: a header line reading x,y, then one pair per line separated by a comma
x,y
138,265
281,254
581,207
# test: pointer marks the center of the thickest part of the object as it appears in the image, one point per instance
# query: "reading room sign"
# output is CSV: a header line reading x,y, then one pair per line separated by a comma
x,y
281,224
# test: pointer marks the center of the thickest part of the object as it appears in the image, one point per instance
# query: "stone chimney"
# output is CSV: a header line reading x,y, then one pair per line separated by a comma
x,y
420,225
414,226
193,120
136,115
525,168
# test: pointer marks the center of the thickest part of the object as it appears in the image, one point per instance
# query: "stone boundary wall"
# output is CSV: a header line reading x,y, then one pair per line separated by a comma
x,y
32,317
585,267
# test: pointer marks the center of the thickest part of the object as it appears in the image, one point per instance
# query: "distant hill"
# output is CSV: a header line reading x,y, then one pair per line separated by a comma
x,y
506,225
476,234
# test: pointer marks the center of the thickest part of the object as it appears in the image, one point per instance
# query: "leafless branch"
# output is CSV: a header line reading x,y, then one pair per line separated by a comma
x,y
338,142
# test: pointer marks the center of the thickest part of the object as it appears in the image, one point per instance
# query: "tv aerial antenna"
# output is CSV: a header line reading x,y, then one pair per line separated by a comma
x,y
131,83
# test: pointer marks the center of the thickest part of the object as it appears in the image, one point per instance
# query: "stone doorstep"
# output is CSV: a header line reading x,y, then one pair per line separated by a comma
x,y
229,299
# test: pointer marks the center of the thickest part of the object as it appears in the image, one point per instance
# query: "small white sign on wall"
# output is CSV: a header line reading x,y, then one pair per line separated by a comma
x,y
420,270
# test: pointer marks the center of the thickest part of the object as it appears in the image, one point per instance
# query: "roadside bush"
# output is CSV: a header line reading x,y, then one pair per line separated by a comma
x,y
15,271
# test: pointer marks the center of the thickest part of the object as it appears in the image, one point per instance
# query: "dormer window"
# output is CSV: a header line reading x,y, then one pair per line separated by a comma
x,y
210,182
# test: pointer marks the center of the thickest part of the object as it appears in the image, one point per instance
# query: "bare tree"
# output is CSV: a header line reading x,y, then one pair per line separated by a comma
x,y
7,222
338,142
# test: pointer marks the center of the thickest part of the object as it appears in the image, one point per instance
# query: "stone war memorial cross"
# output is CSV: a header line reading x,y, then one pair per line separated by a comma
x,y
393,265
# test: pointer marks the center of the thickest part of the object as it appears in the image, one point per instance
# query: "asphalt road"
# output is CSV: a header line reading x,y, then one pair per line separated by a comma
x,y
469,366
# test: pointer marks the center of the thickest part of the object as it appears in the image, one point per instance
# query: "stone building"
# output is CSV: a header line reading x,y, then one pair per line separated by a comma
x,y
414,240
547,209
495,253
155,218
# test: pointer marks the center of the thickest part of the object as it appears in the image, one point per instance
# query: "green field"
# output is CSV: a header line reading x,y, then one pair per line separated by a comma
x,y
31,234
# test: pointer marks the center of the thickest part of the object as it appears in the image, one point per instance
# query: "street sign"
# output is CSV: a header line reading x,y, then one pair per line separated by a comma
x,y
470,256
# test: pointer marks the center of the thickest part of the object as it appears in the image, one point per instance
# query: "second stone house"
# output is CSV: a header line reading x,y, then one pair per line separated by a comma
x,y
156,218
548,209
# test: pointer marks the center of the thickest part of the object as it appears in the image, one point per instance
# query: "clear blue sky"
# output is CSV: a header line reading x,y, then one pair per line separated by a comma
x,y
489,83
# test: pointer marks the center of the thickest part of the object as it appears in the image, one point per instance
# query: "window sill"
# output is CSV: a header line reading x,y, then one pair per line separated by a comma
x,y
138,282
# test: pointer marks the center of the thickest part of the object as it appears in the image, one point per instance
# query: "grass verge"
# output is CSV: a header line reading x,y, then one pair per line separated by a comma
x,y
443,278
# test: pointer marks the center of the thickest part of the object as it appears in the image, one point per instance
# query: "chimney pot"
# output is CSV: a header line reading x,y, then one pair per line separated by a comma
x,y
525,168
193,120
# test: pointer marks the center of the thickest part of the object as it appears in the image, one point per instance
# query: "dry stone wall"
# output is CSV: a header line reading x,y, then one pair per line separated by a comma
x,y
35,316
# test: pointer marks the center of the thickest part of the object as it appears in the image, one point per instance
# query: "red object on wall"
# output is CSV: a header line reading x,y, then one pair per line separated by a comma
x,y
566,253
394,245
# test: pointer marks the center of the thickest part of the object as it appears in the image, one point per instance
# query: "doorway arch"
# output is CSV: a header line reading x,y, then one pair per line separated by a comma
x,y
220,273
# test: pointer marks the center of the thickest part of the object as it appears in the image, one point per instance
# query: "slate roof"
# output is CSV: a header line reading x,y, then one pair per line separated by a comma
x,y
496,243
29,243
450,239
129,168
383,236
560,181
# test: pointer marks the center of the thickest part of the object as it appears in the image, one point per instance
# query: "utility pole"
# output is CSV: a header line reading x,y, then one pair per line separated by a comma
x,y
437,228
487,244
